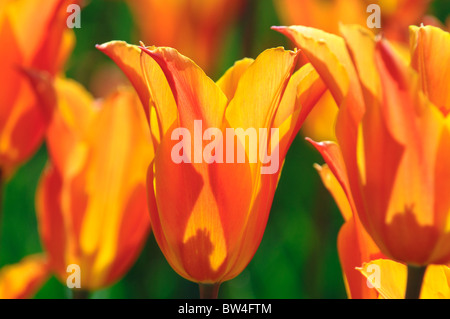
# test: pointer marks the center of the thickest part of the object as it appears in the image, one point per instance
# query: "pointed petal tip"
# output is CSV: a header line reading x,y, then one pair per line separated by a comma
x,y
314,143
151,51
102,47
107,45
277,28
318,167
282,29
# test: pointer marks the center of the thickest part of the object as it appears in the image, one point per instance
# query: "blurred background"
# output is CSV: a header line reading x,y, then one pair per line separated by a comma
x,y
297,257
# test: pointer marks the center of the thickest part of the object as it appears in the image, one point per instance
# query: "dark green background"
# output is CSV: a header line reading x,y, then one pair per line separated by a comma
x,y
297,257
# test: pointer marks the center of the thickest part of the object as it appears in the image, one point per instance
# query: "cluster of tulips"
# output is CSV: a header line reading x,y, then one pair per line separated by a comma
x,y
380,104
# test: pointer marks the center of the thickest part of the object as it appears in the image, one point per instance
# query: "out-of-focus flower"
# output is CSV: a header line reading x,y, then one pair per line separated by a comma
x,y
33,35
393,135
196,28
324,15
22,280
209,219
396,16
91,199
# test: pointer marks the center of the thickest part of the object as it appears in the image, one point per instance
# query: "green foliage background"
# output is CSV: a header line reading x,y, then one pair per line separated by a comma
x,y
297,257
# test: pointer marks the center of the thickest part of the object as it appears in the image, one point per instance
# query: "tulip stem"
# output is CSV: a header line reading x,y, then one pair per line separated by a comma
x,y
415,280
80,294
209,291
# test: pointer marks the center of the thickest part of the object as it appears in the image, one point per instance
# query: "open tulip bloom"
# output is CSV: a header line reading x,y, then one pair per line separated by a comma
x,y
393,136
217,145
28,45
91,199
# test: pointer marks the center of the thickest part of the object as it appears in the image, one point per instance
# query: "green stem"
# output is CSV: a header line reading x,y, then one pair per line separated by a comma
x,y
80,294
415,280
209,291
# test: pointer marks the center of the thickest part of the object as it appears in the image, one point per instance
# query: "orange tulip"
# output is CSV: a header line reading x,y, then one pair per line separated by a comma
x,y
393,135
196,28
91,199
33,35
208,219
22,280
396,16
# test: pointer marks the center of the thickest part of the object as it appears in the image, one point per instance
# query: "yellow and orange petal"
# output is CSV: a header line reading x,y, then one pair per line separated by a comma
x,y
207,234
91,199
392,138
41,42
24,279
436,283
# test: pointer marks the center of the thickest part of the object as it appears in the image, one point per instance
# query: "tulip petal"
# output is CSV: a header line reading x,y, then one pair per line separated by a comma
x,y
302,93
328,54
195,28
430,47
230,80
355,247
354,244
332,155
197,97
83,199
441,251
22,119
52,229
361,45
9,77
402,133
393,280
24,21
270,73
155,95
333,186
71,119
320,125
119,140
187,216
325,15
24,279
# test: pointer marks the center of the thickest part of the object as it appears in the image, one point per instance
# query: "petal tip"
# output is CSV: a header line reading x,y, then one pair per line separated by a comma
x,y
282,29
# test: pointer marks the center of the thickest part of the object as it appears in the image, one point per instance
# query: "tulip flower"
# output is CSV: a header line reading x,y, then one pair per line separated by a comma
x,y
396,16
209,215
196,28
91,199
33,35
22,280
393,137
